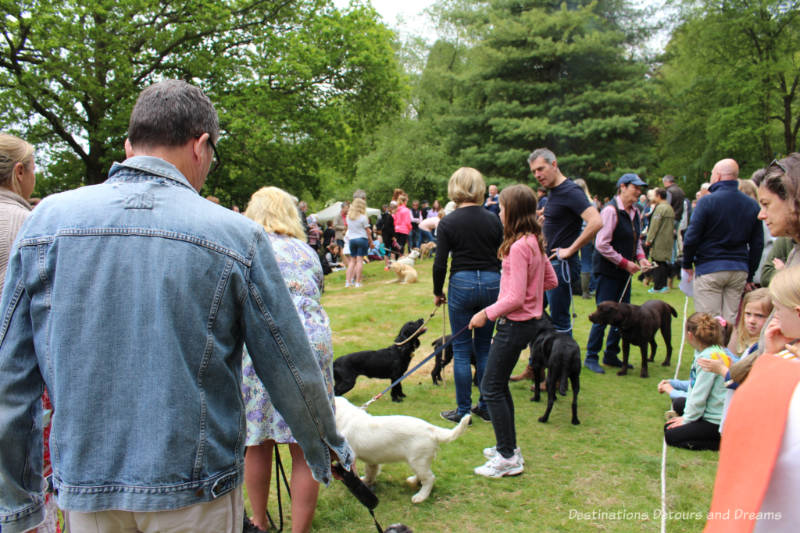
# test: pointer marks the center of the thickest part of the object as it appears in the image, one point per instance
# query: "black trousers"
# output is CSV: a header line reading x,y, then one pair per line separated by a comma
x,y
697,435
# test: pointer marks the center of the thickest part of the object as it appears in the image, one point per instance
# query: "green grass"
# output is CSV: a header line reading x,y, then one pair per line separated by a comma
x,y
608,464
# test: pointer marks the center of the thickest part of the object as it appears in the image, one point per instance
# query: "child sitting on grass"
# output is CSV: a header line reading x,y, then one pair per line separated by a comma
x,y
698,428
678,389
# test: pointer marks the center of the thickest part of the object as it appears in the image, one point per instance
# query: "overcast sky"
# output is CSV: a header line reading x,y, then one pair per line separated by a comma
x,y
407,18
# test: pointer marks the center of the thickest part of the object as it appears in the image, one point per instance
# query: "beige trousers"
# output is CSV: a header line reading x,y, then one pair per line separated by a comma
x,y
223,515
719,293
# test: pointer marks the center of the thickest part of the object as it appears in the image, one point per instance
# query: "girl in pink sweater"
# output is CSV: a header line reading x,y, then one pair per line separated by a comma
x,y
517,314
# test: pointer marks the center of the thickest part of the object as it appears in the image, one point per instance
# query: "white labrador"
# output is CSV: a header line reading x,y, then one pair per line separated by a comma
x,y
394,439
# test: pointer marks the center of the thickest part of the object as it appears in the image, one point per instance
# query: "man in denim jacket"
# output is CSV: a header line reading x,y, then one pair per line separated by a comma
x,y
131,300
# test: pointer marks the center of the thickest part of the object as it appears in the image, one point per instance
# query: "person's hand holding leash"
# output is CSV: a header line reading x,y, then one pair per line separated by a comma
x,y
439,300
562,253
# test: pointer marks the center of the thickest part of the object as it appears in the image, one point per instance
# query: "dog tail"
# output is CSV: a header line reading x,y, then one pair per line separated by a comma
x,y
673,311
449,435
562,382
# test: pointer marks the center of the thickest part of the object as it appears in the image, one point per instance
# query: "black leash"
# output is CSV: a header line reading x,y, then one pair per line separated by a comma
x,y
279,471
428,358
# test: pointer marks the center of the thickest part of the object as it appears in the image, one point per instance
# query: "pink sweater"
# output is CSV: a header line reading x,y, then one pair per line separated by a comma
x,y
402,220
526,275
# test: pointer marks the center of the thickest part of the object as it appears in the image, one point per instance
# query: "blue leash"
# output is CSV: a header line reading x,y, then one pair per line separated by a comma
x,y
566,275
416,367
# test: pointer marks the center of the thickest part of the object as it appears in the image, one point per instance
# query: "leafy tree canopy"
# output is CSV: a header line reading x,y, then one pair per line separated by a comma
x,y
296,83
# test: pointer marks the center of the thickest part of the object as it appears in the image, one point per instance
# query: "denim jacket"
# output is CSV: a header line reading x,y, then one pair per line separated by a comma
x,y
131,300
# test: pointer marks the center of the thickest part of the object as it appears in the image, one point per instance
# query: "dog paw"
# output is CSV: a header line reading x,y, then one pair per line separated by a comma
x,y
418,498
644,374
623,372
575,421
543,419
398,400
665,363
412,481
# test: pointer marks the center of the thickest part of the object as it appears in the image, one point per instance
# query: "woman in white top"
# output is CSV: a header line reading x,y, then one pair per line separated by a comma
x,y
359,236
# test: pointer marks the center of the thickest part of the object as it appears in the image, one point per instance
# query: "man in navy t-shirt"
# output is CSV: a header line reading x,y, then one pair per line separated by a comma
x,y
566,210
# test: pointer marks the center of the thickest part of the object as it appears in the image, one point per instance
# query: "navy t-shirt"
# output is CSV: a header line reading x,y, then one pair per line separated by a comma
x,y
562,215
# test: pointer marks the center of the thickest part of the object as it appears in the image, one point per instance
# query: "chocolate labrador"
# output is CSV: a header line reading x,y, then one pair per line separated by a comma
x,y
638,325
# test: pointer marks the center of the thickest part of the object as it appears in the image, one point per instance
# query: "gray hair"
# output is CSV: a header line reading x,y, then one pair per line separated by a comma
x,y
170,113
548,155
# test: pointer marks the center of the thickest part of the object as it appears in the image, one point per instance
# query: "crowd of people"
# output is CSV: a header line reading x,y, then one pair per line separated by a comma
x,y
149,325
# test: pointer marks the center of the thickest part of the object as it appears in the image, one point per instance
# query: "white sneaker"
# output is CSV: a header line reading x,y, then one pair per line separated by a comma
x,y
499,466
491,452
346,284
356,285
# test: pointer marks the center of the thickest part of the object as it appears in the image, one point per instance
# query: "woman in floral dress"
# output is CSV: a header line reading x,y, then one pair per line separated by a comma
x,y
274,209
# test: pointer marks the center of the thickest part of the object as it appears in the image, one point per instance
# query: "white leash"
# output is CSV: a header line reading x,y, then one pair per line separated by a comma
x,y
664,445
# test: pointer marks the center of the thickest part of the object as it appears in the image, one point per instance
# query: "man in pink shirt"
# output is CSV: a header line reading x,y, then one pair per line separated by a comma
x,y
619,256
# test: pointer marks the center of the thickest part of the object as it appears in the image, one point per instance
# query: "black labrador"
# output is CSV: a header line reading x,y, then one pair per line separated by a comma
x,y
561,356
638,325
389,363
444,357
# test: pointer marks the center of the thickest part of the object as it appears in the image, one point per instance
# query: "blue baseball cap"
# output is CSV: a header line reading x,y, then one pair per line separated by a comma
x,y
631,178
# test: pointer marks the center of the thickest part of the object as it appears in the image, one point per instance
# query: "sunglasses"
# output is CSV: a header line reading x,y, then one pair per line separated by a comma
x,y
778,164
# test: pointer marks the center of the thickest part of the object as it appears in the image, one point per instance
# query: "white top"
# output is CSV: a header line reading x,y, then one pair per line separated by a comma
x,y
357,229
779,511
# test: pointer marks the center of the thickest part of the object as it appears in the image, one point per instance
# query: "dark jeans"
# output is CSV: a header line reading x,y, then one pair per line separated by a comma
x,y
660,274
560,298
413,238
401,239
698,435
608,288
509,341
470,291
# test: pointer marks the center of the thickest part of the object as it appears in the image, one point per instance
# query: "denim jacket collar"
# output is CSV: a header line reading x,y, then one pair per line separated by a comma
x,y
152,165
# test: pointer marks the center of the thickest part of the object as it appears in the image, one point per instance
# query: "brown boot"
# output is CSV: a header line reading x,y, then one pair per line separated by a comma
x,y
526,374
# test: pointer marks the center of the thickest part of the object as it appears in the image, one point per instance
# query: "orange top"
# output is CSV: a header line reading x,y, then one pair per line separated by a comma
x,y
750,444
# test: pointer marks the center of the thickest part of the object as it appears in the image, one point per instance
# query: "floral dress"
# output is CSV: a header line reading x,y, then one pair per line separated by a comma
x,y
302,272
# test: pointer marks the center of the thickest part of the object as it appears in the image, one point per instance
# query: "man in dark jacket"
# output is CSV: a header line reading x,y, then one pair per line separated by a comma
x,y
723,244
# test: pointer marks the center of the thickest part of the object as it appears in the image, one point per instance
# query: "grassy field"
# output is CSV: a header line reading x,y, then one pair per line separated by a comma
x,y
602,475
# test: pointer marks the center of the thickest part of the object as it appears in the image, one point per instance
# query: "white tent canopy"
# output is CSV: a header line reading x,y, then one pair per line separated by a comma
x,y
330,212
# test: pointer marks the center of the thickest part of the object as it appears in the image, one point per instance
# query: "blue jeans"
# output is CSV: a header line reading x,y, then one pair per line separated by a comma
x,y
413,239
469,292
560,298
509,341
425,236
607,289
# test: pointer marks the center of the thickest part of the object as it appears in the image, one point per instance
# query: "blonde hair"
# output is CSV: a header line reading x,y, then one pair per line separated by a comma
x,y
466,185
785,287
749,188
357,208
276,210
13,150
759,296
580,182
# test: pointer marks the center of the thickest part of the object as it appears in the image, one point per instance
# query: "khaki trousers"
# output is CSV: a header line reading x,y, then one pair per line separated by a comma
x,y
223,515
719,293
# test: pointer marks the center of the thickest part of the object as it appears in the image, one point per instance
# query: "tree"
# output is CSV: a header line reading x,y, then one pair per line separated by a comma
x,y
729,85
280,72
556,75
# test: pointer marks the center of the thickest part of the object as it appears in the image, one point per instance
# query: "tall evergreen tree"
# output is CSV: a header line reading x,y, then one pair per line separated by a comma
x,y
559,75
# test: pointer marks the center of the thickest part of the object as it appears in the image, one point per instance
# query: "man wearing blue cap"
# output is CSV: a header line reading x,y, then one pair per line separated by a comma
x,y
620,255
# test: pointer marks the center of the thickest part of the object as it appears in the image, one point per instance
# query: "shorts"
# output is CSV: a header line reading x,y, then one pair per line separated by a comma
x,y
359,247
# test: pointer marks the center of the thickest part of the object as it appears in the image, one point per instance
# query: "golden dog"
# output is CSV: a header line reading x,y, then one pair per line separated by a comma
x,y
405,273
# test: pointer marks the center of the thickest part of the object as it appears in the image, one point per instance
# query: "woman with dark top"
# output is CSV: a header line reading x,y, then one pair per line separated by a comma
x,y
472,235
